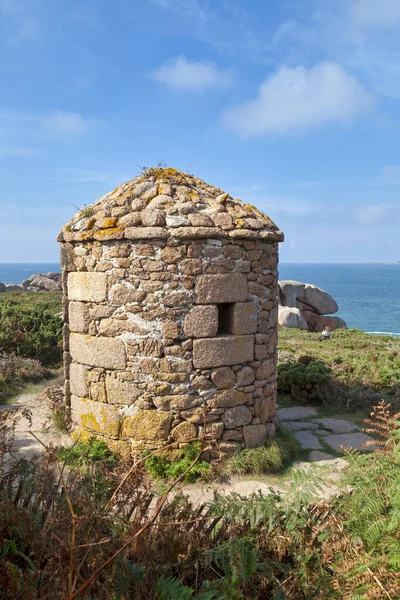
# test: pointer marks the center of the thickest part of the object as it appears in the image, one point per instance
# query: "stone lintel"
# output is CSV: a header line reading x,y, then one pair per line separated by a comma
x,y
221,288
222,351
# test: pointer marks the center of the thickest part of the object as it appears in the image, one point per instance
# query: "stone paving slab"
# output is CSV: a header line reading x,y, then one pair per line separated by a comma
x,y
307,440
300,425
318,456
296,413
337,425
341,441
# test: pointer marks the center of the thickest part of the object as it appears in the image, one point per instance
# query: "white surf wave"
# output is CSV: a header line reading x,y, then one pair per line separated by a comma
x,y
392,333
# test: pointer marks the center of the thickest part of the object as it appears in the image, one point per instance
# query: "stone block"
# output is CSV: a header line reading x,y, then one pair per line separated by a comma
x,y
266,369
213,430
184,432
178,402
147,425
95,416
245,376
87,287
67,257
226,398
152,217
98,391
150,347
263,408
223,377
78,317
78,380
232,434
223,351
97,351
239,318
254,435
221,288
172,254
146,233
121,392
122,294
201,322
236,417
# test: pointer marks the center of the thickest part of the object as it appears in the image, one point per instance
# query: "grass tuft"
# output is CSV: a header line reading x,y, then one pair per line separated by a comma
x,y
273,457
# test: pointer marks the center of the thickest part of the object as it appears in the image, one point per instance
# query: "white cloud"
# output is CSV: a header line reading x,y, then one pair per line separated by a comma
x,y
374,13
362,35
390,174
375,214
66,124
297,99
181,74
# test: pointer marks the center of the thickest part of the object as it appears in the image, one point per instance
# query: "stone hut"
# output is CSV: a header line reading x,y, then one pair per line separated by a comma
x,y
170,309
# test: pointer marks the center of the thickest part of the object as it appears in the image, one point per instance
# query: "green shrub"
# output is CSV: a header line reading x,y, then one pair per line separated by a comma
x,y
16,371
272,457
365,368
83,453
31,330
160,467
305,382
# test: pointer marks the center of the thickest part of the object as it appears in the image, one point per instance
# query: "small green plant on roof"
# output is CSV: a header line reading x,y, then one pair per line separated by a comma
x,y
160,467
87,211
272,457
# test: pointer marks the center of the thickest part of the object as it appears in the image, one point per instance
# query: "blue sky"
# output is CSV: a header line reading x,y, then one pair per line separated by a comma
x,y
290,105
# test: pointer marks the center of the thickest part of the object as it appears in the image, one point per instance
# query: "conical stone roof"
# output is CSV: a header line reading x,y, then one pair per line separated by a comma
x,y
162,203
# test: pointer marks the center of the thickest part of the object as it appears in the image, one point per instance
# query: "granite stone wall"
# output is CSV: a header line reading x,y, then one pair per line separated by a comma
x,y
162,336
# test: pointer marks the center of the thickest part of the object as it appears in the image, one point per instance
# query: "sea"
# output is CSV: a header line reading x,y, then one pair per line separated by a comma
x,y
368,295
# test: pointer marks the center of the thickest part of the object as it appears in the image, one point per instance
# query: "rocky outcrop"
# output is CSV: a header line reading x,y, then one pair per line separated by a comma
x,y
50,282
291,317
306,306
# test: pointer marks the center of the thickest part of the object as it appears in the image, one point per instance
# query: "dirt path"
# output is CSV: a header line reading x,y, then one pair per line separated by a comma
x,y
41,423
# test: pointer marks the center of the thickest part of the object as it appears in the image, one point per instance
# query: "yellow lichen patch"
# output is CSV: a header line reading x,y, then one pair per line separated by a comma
x,y
119,447
110,222
89,421
194,197
113,233
240,223
167,173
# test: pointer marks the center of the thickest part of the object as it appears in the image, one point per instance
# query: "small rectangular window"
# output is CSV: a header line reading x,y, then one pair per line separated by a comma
x,y
225,317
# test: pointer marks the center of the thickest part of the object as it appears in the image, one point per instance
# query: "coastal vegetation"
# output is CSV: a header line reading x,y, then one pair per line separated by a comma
x,y
30,338
82,525
352,370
